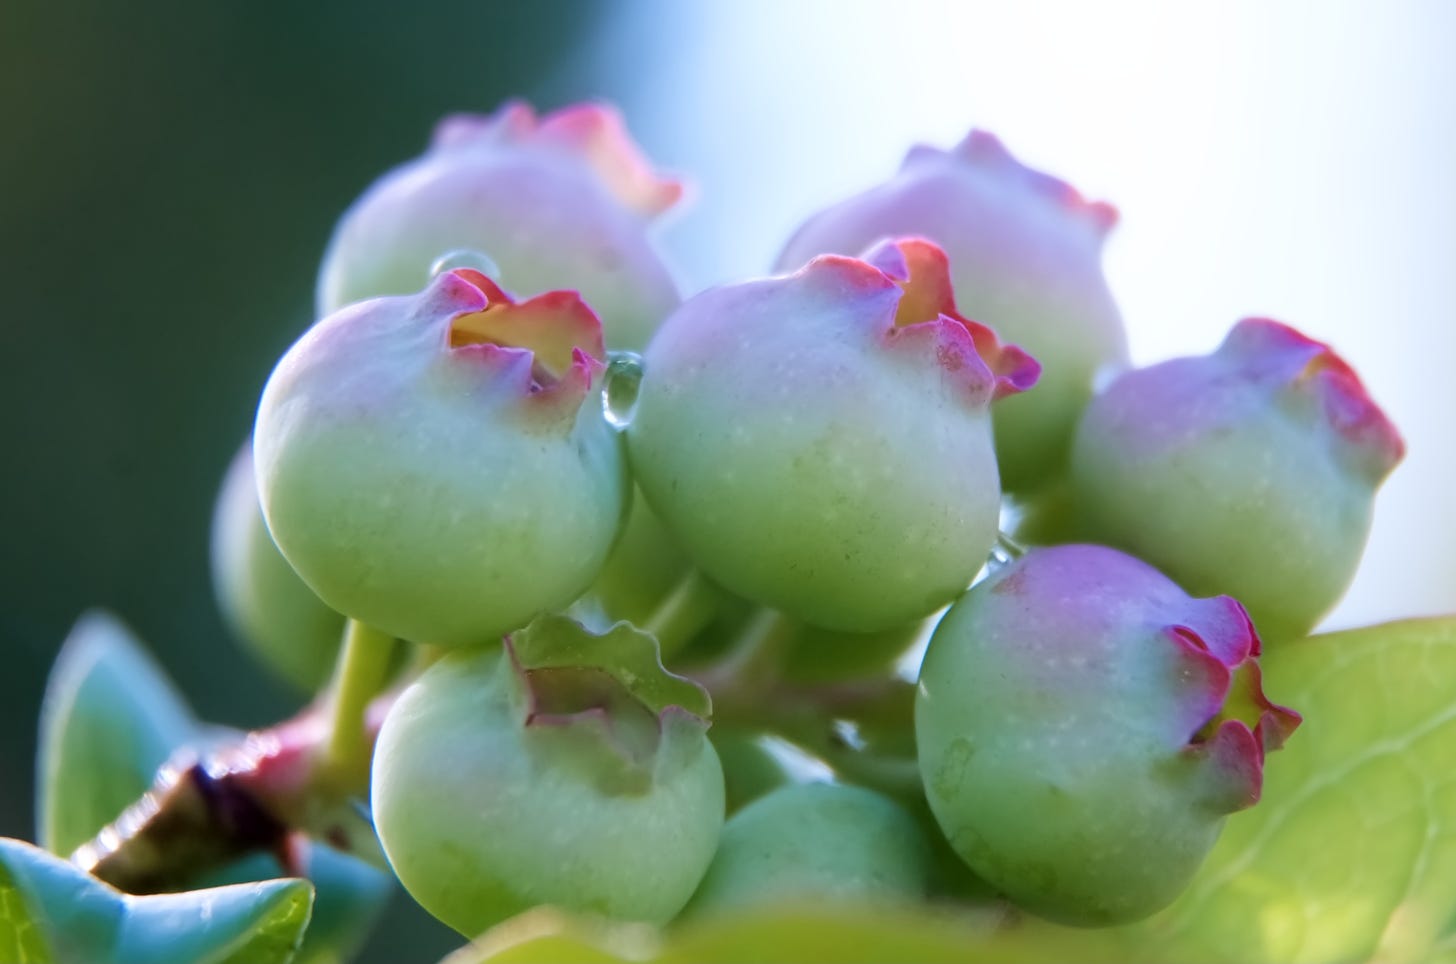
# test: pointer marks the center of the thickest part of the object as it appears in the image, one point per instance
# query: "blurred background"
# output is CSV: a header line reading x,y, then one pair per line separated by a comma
x,y
169,175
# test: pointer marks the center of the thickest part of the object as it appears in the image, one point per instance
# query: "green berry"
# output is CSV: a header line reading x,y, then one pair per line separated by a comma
x,y
439,466
271,609
1251,471
820,443
816,842
567,769
560,201
1083,728
1025,254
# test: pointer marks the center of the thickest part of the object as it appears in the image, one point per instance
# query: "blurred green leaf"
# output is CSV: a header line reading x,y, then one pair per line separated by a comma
x,y
546,935
865,935
110,718
1351,856
53,913
842,933
349,895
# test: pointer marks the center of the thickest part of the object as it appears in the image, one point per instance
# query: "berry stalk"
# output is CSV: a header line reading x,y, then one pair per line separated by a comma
x,y
362,671
684,612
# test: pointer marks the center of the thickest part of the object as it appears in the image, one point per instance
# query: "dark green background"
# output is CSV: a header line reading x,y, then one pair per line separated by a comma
x,y
169,174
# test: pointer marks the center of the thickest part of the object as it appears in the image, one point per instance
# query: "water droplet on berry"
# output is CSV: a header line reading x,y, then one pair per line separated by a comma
x,y
466,258
1004,552
624,380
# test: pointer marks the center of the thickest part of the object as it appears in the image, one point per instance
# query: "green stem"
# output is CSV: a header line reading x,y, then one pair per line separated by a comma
x,y
684,612
359,675
894,776
755,658
749,692
805,717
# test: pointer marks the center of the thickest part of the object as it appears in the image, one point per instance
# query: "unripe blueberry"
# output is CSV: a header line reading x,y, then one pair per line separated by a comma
x,y
816,842
270,608
1083,728
1025,254
569,769
561,201
821,442
438,466
1251,471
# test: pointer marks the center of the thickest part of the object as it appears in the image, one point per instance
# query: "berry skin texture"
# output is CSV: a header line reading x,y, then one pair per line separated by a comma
x,y
569,770
821,443
438,466
1083,727
1025,254
816,842
271,609
1251,471
560,201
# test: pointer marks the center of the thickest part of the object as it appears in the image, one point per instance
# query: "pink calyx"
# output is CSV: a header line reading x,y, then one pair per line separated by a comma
x,y
927,309
1276,351
559,333
592,132
1240,724
607,701
597,132
983,151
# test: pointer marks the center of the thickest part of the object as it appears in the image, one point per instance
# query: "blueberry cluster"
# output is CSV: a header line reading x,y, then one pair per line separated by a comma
x,y
509,442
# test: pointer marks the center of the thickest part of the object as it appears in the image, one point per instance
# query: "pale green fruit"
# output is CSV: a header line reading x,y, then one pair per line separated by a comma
x,y
1025,253
560,201
816,842
289,628
1251,471
439,466
1083,728
820,443
568,769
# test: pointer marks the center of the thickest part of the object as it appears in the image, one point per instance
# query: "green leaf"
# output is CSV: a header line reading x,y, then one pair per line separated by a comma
x,y
1351,855
350,893
53,913
1444,952
110,719
841,933
546,935
878,935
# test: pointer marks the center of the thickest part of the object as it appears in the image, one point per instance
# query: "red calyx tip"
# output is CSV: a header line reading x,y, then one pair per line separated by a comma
x,y
983,149
563,335
593,132
1288,357
921,270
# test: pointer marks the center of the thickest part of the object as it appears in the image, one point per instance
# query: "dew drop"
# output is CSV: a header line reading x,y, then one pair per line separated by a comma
x,y
624,380
466,258
1004,553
